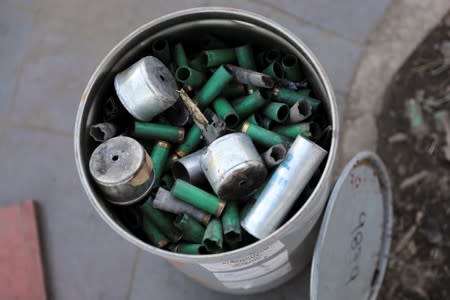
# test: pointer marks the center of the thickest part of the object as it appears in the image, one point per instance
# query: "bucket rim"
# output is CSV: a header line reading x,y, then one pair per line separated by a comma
x,y
208,13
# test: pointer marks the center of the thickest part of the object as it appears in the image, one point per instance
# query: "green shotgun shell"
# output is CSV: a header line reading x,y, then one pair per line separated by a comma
x,y
159,155
192,230
197,197
231,222
234,90
307,130
265,122
226,112
189,77
315,103
248,105
291,67
263,136
161,219
252,119
288,96
180,56
279,112
191,142
197,63
155,131
161,50
267,57
275,71
244,57
217,57
213,87
272,55
154,235
213,237
187,248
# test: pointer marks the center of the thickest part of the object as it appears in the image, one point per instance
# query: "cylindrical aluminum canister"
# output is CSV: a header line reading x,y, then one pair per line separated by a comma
x,y
146,89
233,166
284,187
189,169
293,242
122,170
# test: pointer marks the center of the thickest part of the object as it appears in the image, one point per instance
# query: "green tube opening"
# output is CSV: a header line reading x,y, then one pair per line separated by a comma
x,y
182,74
232,236
283,113
231,120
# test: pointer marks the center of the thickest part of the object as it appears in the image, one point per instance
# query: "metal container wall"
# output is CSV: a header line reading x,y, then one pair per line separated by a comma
x,y
269,262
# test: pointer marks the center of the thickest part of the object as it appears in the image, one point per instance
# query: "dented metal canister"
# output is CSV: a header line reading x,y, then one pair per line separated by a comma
x,y
189,169
233,166
122,170
146,89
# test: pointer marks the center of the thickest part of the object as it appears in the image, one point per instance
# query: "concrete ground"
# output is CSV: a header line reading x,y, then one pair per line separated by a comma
x,y
48,50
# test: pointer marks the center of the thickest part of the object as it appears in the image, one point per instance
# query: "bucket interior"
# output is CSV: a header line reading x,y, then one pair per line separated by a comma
x,y
188,30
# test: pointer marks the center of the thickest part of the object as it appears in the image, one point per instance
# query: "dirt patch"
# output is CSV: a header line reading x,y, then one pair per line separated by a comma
x,y
414,131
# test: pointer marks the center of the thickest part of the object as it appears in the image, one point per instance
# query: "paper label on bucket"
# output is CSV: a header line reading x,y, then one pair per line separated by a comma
x,y
254,271
246,261
263,280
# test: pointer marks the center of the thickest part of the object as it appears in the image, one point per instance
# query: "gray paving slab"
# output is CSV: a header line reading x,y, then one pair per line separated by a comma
x,y
27,4
67,43
352,19
15,30
153,273
338,56
83,258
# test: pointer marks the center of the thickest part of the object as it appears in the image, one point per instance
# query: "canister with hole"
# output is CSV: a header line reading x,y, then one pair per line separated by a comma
x,y
122,170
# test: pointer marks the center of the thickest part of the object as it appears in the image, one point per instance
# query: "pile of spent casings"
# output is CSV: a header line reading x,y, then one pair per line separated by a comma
x,y
206,149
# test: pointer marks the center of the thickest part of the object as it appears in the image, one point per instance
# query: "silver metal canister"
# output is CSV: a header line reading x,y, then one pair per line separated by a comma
x,y
278,257
146,89
189,168
284,188
122,169
233,166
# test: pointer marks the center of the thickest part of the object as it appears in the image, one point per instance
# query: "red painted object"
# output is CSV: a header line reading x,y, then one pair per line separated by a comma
x,y
21,272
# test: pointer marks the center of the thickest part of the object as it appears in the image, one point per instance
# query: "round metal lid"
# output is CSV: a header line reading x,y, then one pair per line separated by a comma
x,y
116,160
352,249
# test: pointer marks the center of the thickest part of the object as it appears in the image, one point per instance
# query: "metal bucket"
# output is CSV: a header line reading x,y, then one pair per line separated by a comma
x,y
289,249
